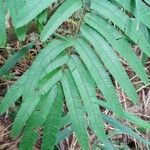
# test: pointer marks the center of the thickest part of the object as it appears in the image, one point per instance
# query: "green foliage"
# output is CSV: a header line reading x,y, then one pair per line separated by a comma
x,y
61,14
14,59
71,69
52,124
2,24
73,100
14,7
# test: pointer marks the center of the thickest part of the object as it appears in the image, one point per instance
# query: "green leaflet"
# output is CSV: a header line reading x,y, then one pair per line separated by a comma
x,y
138,16
52,123
146,32
67,131
24,113
14,59
65,120
30,11
144,58
76,113
110,60
129,116
42,71
45,63
64,134
125,23
13,94
41,19
130,6
124,129
37,119
137,120
99,74
14,7
3,36
87,91
61,14
147,1
48,81
59,62
118,42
